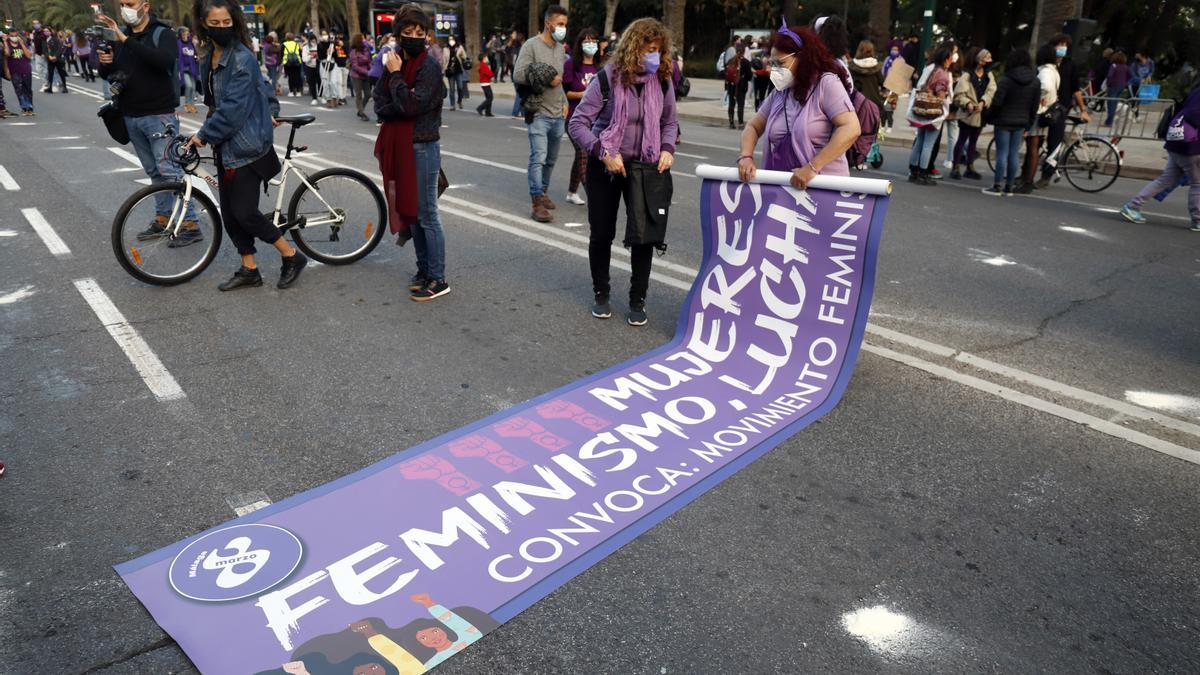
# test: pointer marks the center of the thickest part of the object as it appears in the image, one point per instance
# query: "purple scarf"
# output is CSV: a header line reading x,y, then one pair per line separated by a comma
x,y
652,110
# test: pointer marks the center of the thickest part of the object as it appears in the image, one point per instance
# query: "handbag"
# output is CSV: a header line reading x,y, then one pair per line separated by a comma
x,y
927,105
114,122
1181,131
685,86
443,182
647,204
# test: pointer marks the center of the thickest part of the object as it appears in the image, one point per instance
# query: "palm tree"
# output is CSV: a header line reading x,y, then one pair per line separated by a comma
x,y
70,14
290,15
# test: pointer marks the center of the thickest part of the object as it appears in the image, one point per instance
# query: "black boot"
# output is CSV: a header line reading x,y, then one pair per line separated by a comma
x,y
914,174
244,277
292,265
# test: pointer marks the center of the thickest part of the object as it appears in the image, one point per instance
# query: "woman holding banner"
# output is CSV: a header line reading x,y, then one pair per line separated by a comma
x,y
626,121
809,120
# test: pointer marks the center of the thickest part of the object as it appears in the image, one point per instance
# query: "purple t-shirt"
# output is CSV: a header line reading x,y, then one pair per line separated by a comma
x,y
19,65
576,78
811,125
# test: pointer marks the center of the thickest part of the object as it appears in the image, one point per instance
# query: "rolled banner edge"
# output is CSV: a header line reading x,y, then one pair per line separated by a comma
x,y
871,186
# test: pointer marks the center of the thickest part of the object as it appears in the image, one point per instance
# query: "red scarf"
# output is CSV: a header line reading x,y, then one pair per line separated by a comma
x,y
397,161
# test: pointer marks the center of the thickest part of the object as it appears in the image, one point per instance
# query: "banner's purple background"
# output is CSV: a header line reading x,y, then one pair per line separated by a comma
x,y
411,489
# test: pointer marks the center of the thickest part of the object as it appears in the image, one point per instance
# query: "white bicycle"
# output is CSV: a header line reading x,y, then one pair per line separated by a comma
x,y
168,233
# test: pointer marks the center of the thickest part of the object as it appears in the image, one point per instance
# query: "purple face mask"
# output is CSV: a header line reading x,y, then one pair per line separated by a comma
x,y
650,62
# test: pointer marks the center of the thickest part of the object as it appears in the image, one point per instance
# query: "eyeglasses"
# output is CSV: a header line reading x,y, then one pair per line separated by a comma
x,y
779,63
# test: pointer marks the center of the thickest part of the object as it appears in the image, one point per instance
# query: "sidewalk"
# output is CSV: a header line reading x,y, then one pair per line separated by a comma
x,y
1142,159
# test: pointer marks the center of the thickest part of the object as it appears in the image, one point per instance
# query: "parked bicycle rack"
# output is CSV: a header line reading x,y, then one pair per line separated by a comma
x,y
1133,117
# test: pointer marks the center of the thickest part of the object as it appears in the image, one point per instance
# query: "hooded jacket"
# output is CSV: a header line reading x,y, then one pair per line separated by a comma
x,y
868,78
1015,103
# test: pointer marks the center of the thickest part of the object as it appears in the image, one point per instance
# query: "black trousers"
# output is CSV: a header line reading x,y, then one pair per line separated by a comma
x,y
604,192
55,67
486,106
1054,137
295,83
737,96
239,190
313,77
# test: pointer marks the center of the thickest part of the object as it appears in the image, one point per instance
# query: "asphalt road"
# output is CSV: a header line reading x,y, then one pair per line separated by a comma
x,y
1007,486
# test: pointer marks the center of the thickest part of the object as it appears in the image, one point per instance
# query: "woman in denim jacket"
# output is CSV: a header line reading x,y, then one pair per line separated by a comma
x,y
241,112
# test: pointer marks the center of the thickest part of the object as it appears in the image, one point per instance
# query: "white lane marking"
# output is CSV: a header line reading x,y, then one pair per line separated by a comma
x,y
142,181
709,145
690,273
44,230
127,156
485,162
1103,426
369,137
684,154
1083,231
70,147
1176,403
1129,409
20,124
572,224
153,372
17,295
8,233
248,502
124,169
562,246
6,180
1045,198
62,138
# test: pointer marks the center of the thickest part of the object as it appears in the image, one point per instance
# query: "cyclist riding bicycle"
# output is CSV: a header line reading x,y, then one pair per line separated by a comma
x,y
242,110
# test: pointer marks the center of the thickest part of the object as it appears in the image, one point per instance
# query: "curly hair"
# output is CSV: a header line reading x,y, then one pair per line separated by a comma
x,y
627,60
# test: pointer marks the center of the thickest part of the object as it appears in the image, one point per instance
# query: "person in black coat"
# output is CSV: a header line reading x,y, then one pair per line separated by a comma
x,y
1012,112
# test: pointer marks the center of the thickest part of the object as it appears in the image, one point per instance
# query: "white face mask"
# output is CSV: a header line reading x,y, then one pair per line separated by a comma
x,y
954,58
590,48
560,33
130,15
782,78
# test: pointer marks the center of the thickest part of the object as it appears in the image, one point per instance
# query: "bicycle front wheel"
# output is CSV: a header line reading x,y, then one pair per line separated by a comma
x,y
340,219
163,237
1091,164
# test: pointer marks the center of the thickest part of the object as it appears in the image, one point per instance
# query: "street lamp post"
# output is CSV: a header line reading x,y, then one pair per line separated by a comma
x,y
926,32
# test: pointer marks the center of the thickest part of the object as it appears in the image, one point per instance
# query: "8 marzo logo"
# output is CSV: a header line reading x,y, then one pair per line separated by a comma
x,y
235,562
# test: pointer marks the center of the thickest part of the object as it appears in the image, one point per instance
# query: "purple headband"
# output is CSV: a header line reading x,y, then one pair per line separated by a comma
x,y
787,32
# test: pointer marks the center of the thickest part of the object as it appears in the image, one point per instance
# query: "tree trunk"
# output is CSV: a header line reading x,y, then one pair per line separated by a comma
x,y
314,17
535,18
472,34
610,15
353,25
673,18
881,24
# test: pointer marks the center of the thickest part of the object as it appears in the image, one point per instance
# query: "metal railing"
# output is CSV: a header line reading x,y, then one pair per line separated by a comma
x,y
1130,117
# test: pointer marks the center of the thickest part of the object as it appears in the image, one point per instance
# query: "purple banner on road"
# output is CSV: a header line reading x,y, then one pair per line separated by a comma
x,y
398,567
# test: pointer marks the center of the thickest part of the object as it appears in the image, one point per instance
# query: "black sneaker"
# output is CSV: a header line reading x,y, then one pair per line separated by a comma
x,y
244,277
155,231
955,175
995,191
601,309
290,272
186,238
417,282
636,316
433,289
1024,189
972,174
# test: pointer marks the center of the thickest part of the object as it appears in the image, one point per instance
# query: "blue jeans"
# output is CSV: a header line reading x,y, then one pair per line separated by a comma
x,y
544,136
516,111
23,84
922,147
189,88
1008,155
457,86
428,239
1112,110
149,135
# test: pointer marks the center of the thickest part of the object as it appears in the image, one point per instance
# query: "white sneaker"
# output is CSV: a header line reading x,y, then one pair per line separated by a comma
x,y
948,164
314,101
575,199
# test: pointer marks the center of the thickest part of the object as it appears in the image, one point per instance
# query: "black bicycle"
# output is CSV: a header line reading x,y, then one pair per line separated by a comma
x,y
336,216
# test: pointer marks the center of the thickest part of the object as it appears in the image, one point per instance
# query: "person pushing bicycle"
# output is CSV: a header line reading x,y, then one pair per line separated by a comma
x,y
242,110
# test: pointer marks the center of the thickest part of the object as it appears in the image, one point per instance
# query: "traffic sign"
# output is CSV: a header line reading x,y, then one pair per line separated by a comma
x,y
254,9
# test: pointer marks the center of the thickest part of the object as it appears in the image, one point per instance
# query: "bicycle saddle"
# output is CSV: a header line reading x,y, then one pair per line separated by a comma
x,y
298,120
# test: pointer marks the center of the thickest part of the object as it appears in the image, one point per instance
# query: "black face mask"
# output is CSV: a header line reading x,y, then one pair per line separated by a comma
x,y
223,36
412,46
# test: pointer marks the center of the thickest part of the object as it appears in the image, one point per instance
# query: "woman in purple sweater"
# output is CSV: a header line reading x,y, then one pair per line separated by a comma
x,y
630,127
1118,79
1183,163
189,69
